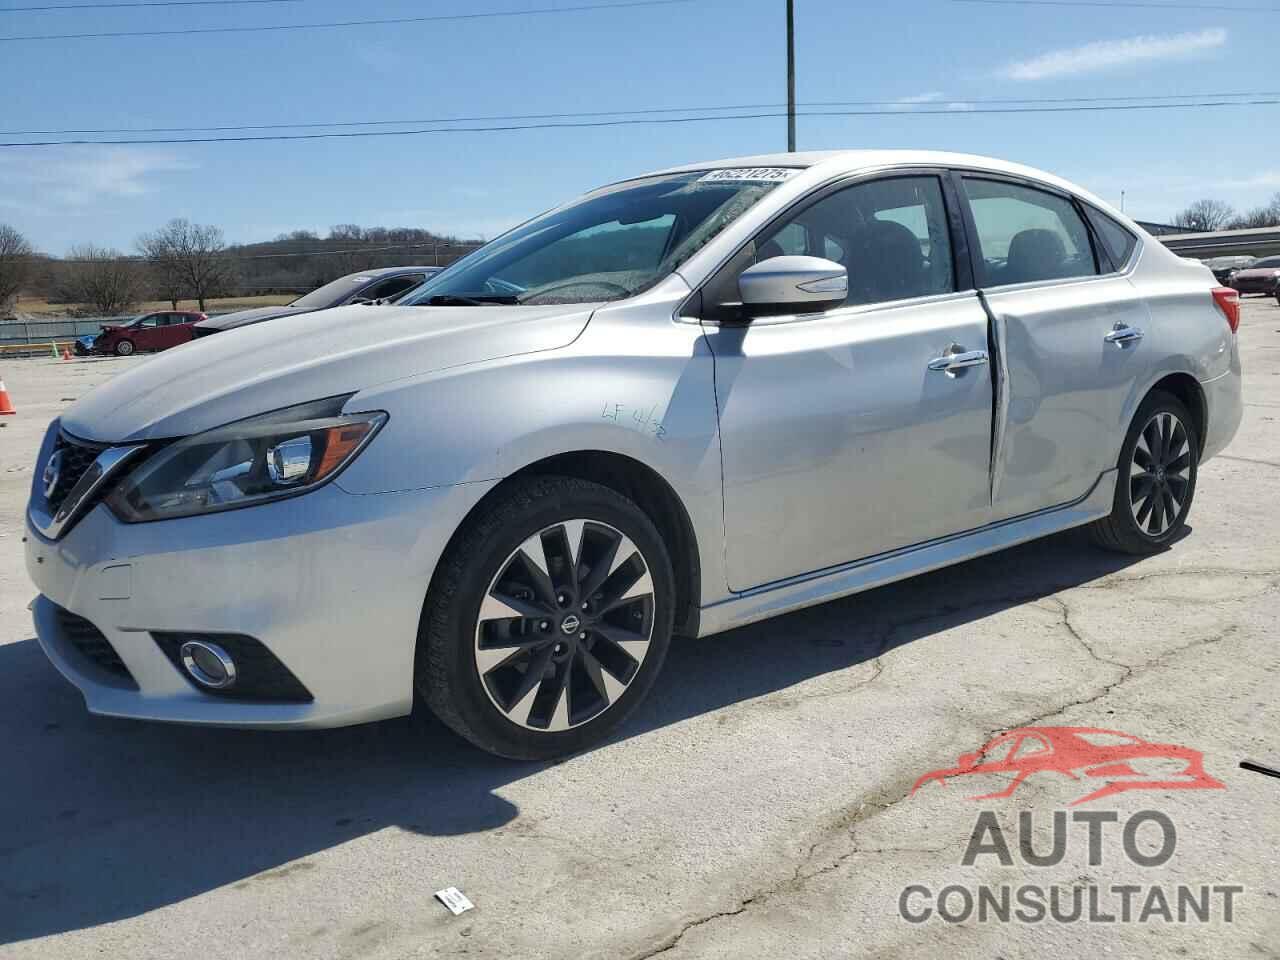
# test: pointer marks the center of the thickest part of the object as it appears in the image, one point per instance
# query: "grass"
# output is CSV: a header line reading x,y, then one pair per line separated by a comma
x,y
28,306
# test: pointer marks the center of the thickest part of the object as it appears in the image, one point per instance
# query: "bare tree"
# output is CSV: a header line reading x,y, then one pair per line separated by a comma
x,y
1204,216
164,268
1264,216
188,258
103,279
15,263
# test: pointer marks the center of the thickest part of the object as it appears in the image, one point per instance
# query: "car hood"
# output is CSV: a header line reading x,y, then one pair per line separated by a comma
x,y
217,380
241,318
1258,273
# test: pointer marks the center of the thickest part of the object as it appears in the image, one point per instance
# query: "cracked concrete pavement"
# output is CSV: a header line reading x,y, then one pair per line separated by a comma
x,y
760,804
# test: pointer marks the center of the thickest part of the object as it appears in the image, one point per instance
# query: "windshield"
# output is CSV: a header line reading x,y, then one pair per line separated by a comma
x,y
1267,262
611,244
332,293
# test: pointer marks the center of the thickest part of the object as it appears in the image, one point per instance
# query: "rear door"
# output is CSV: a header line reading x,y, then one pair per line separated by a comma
x,y
843,433
1068,326
147,334
177,329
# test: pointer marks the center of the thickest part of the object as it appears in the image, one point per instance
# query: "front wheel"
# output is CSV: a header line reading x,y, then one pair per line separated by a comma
x,y
1156,481
548,619
124,348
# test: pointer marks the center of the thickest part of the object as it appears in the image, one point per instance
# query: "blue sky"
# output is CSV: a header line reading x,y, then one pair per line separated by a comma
x,y
701,53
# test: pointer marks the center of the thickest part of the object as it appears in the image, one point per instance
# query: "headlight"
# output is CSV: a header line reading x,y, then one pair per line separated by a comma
x,y
280,454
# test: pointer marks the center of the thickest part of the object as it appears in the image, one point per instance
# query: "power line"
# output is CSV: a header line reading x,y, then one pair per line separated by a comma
x,y
1123,3
487,15
143,3
637,121
442,246
903,107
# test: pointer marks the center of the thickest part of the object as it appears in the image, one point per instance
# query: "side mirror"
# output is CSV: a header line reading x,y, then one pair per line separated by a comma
x,y
783,285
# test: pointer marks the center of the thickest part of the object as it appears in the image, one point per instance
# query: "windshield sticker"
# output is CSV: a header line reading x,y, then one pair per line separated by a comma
x,y
749,175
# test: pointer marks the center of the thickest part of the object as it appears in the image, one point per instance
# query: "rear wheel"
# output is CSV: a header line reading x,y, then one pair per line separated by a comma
x,y
124,348
548,619
1156,482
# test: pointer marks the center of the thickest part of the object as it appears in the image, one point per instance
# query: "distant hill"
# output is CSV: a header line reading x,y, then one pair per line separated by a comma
x,y
298,262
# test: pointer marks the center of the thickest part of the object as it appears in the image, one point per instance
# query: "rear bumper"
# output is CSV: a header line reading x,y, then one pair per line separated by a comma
x,y
1224,404
331,583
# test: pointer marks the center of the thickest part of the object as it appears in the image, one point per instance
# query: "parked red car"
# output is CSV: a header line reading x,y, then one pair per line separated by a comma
x,y
151,331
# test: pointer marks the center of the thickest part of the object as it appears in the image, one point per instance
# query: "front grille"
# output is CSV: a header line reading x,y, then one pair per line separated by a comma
x,y
92,645
77,457
260,675
1255,284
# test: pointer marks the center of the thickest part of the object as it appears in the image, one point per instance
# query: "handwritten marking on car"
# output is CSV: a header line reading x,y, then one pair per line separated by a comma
x,y
644,419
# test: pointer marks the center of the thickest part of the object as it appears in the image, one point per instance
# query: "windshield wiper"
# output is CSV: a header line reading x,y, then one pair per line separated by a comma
x,y
469,300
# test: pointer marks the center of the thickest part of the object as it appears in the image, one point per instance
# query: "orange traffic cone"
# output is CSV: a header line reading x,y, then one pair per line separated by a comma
x,y
6,405
66,352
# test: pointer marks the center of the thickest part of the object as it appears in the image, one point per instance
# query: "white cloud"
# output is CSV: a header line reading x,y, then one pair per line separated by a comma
x,y
1106,54
1263,180
920,98
75,177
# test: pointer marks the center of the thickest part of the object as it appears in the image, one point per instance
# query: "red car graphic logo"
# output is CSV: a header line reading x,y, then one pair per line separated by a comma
x,y
1123,761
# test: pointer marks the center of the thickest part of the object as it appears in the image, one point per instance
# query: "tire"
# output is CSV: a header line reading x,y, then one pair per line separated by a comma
x,y
1145,497
124,348
592,674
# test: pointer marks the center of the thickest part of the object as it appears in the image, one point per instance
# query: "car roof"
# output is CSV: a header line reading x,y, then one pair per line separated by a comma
x,y
836,162
388,272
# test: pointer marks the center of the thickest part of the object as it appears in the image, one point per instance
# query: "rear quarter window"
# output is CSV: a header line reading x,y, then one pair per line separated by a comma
x,y
1117,242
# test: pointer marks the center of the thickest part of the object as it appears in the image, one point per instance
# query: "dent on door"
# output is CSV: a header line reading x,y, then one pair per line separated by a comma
x,y
1067,380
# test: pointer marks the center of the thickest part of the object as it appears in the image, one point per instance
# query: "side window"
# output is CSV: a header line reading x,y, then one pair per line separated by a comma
x,y
151,321
1026,235
391,287
891,235
1118,241
791,241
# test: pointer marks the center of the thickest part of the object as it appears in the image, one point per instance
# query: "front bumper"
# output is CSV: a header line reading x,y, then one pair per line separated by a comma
x,y
1263,285
331,583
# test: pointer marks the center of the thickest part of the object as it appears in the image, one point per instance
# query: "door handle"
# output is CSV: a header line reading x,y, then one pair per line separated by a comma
x,y
1121,334
958,359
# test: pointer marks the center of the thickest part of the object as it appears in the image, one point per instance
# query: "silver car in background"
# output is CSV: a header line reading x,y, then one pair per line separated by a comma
x,y
682,403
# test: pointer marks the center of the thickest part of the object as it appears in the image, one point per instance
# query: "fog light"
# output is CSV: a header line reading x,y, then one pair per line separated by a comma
x,y
208,664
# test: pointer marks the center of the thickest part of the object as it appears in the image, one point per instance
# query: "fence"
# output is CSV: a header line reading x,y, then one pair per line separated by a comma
x,y
34,336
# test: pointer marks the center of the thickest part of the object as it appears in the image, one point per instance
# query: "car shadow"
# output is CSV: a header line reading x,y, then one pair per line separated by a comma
x,y
103,820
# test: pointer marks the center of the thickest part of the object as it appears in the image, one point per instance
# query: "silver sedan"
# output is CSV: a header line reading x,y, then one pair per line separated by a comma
x,y
682,403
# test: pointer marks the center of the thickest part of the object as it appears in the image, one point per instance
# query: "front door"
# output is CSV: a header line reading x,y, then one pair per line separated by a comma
x,y
1058,306
844,434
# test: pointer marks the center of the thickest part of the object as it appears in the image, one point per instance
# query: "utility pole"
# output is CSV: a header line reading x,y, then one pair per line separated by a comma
x,y
791,76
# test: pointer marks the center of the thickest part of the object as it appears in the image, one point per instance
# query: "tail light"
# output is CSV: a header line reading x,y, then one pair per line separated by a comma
x,y
1228,301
